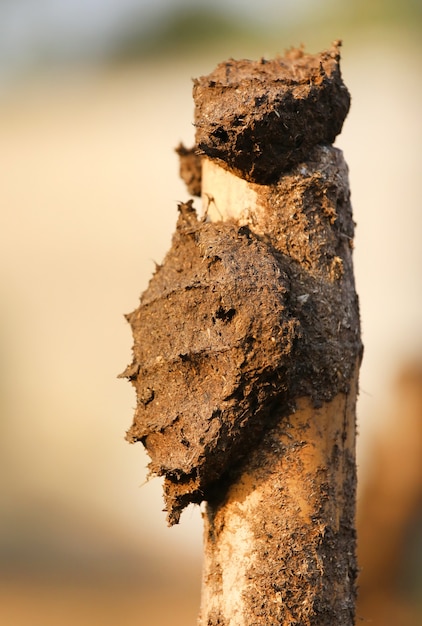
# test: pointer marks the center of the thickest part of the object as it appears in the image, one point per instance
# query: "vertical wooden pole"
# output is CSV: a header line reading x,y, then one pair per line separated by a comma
x,y
279,544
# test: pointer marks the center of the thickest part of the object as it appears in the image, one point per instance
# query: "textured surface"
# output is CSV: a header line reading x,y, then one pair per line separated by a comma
x,y
190,168
237,320
213,340
261,117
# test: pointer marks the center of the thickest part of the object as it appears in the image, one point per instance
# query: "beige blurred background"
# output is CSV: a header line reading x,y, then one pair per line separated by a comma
x,y
94,97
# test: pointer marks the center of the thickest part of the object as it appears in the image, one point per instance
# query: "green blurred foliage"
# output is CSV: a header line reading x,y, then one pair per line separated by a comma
x,y
201,29
183,31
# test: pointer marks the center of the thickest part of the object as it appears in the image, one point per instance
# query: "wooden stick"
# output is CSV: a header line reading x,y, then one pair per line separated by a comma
x,y
280,546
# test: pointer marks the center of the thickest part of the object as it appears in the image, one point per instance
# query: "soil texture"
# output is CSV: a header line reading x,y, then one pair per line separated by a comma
x,y
260,118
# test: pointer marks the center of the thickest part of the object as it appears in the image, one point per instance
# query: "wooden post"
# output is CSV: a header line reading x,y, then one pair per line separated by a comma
x,y
247,347
279,547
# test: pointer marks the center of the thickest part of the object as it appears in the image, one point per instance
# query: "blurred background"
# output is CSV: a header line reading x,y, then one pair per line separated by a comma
x,y
94,97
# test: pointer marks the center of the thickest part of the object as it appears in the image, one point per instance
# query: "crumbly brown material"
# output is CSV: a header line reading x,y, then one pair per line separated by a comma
x,y
239,318
259,118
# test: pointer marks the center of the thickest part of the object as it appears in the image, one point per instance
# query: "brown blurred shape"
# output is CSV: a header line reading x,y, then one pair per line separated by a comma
x,y
390,511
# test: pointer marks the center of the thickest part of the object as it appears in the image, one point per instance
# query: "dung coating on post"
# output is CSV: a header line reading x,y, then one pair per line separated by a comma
x,y
240,321
207,368
259,118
